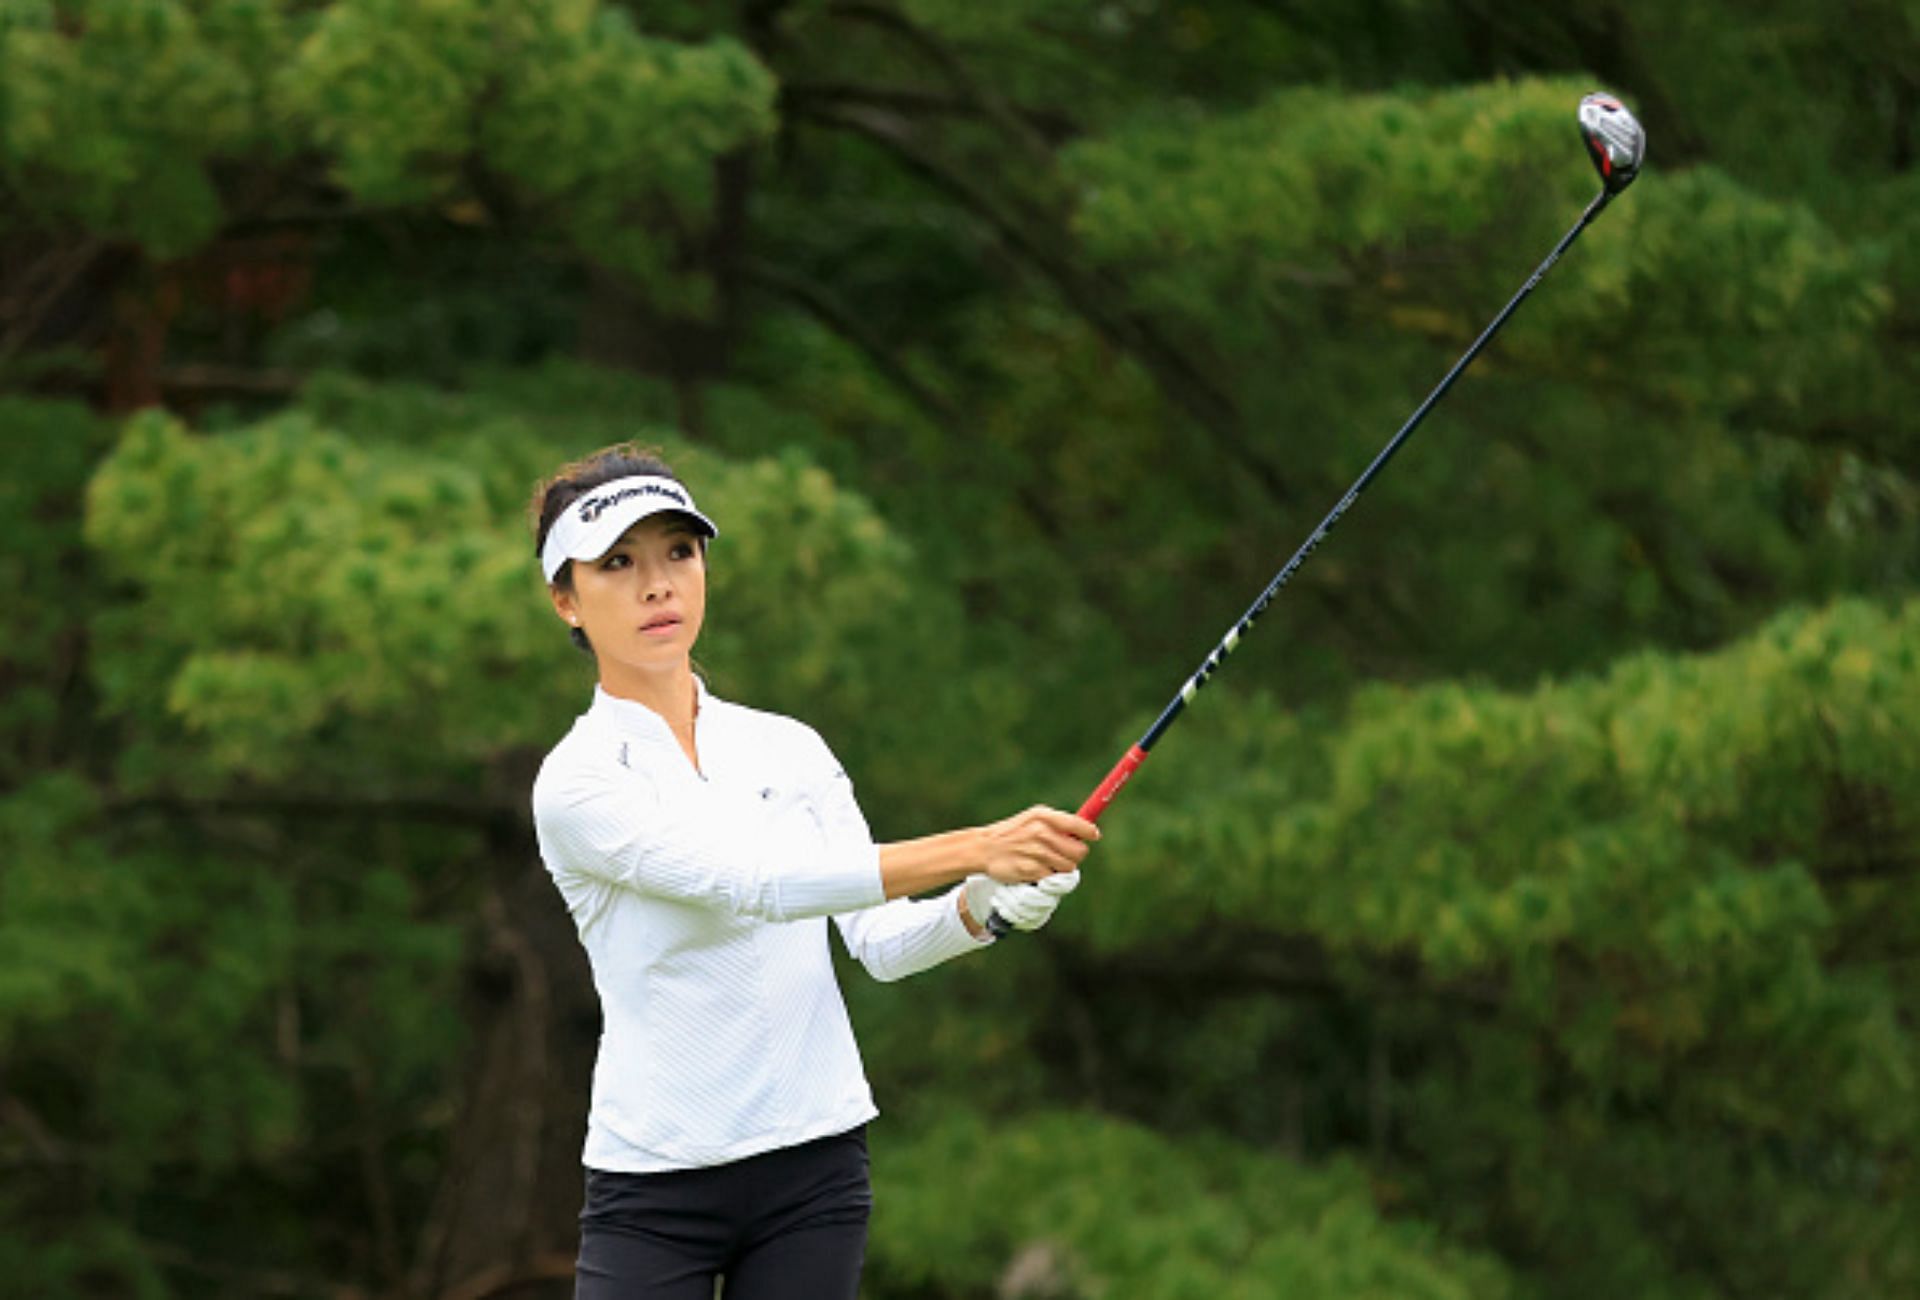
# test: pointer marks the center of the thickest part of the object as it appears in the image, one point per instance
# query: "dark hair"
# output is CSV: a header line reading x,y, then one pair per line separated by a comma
x,y
574,480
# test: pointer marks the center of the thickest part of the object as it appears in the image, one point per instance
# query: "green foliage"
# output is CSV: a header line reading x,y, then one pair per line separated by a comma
x,y
56,960
1645,456
1120,1210
1746,302
45,457
1626,892
609,110
449,304
296,589
115,128
569,101
93,1259
362,612
391,88
117,114
1528,911
1314,171
1698,292
209,997
995,18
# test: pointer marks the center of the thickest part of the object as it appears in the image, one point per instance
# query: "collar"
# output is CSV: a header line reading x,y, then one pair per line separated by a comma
x,y
634,719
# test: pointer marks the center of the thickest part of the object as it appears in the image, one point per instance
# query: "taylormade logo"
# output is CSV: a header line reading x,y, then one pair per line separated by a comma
x,y
593,507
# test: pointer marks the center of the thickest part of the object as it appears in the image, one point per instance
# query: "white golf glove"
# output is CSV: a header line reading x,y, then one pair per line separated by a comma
x,y
1025,907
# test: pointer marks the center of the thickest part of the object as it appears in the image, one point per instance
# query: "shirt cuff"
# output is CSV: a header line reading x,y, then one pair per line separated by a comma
x,y
985,939
953,937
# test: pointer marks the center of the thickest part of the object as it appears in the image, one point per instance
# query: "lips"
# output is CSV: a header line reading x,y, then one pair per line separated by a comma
x,y
661,623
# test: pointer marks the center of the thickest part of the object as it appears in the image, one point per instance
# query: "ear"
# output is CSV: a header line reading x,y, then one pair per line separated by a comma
x,y
565,604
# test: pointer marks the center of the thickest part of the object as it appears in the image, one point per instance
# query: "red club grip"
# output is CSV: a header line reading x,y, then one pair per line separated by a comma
x,y
1103,793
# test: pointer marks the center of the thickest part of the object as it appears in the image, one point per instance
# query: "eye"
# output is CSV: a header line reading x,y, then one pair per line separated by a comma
x,y
615,561
682,551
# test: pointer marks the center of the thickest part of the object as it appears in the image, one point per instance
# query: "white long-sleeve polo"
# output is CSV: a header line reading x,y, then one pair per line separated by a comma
x,y
700,896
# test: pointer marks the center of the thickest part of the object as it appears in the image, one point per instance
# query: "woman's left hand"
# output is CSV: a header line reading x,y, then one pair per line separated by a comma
x,y
1024,907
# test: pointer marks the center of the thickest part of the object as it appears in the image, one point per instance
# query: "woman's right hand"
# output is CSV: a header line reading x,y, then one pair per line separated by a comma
x,y
1034,844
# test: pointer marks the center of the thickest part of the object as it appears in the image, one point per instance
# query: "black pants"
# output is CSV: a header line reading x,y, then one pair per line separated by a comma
x,y
787,1225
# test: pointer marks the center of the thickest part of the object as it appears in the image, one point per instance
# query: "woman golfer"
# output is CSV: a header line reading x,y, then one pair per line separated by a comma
x,y
700,845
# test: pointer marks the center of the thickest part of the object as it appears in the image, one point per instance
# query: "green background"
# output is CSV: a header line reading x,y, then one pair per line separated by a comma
x,y
1528,911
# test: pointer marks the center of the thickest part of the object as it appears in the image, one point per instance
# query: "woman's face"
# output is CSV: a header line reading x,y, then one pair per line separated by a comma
x,y
641,604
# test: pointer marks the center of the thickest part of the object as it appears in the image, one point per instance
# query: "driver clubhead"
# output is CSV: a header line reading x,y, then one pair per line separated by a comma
x,y
1614,138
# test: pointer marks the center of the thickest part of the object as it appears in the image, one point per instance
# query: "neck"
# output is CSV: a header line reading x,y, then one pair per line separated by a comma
x,y
669,692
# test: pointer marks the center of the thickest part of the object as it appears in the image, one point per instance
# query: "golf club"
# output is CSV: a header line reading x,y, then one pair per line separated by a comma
x,y
1617,145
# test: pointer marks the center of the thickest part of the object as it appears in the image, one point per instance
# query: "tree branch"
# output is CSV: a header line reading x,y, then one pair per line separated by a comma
x,y
951,66
1125,329
42,287
816,301
801,96
41,1141
525,1118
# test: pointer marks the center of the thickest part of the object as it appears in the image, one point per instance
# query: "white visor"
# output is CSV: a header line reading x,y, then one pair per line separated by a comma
x,y
588,528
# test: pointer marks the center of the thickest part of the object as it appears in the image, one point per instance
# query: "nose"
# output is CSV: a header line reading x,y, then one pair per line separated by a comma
x,y
653,582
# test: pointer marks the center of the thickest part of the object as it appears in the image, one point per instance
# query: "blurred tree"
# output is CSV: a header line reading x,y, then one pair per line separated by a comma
x,y
1531,913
